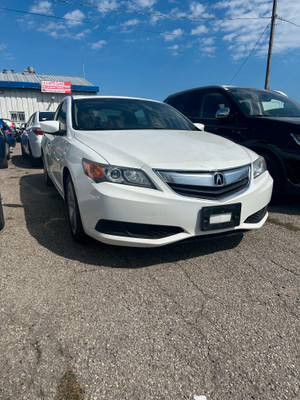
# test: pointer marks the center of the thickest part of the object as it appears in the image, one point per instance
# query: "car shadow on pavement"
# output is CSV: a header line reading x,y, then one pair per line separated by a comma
x,y
20,162
288,205
46,220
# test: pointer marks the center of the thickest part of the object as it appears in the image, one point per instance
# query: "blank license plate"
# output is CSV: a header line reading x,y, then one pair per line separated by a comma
x,y
219,217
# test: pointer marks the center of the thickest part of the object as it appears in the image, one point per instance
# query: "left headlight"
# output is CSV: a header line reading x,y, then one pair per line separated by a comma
x,y
114,174
259,166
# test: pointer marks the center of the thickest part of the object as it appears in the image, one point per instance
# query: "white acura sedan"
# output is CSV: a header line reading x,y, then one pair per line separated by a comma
x,y
136,172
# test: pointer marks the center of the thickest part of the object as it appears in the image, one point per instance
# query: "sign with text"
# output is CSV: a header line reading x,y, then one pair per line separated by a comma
x,y
56,87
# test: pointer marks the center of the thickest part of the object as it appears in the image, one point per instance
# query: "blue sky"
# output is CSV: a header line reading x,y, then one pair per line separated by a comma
x,y
152,48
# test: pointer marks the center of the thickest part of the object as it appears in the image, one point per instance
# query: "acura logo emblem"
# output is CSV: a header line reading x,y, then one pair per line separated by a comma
x,y
219,179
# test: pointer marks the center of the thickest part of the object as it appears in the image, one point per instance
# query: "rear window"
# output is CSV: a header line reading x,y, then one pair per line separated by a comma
x,y
46,115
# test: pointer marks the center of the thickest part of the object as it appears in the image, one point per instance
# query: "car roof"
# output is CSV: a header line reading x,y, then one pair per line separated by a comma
x,y
82,97
225,87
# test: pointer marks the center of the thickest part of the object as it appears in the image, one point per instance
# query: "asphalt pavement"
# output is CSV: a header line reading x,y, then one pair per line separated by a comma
x,y
209,320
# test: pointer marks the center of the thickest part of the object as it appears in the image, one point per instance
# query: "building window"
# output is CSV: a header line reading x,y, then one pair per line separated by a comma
x,y
17,116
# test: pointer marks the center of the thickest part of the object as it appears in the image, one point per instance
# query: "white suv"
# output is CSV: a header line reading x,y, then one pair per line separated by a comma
x,y
31,137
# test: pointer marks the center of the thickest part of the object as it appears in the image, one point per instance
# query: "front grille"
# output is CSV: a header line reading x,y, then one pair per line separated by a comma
x,y
211,185
129,229
256,217
209,192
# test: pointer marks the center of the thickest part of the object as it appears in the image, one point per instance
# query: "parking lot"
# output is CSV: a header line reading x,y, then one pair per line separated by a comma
x,y
215,320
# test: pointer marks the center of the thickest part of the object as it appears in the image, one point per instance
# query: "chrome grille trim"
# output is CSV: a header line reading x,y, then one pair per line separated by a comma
x,y
202,184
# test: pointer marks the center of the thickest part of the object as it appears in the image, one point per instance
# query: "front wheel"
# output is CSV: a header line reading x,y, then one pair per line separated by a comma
x,y
2,223
77,231
278,178
47,179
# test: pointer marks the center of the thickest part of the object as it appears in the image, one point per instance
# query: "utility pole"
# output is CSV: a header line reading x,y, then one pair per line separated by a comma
x,y
271,43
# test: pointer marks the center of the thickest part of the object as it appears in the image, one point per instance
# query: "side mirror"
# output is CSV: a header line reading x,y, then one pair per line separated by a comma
x,y
199,126
223,113
50,127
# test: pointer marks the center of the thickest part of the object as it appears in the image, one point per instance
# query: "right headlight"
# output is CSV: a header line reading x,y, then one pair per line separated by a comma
x,y
296,137
259,166
114,174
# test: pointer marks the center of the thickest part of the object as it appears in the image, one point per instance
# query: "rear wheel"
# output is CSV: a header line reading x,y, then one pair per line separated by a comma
x,y
47,179
24,154
35,162
8,151
77,231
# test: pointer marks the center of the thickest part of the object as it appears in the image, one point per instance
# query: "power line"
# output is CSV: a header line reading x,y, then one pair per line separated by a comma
x,y
150,14
39,15
76,20
289,22
249,53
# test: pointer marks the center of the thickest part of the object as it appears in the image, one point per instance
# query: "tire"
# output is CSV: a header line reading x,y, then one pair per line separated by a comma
x,y
77,230
47,179
35,162
8,152
24,154
2,223
4,163
278,178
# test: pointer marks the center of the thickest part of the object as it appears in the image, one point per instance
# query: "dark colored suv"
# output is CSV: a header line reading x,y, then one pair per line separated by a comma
x,y
265,121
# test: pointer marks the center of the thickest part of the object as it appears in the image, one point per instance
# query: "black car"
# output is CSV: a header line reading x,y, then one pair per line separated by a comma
x,y
2,222
4,150
265,121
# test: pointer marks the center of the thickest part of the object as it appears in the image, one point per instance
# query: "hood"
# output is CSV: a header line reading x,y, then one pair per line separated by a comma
x,y
166,149
282,121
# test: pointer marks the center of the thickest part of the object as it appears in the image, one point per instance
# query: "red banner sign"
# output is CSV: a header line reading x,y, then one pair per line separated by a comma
x,y
56,87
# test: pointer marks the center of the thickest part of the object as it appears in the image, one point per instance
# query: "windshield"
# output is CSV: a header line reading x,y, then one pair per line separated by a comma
x,y
124,114
255,102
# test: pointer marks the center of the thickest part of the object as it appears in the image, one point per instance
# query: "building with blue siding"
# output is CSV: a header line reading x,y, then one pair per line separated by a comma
x,y
23,93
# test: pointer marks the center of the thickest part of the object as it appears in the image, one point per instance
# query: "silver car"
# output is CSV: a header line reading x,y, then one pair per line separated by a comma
x,y
31,137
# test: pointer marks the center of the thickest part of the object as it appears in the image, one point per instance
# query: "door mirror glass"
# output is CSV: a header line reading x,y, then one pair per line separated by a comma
x,y
223,113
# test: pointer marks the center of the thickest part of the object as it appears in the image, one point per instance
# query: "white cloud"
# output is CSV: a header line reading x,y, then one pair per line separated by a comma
x,y
131,22
42,7
105,5
81,35
175,34
140,4
196,10
75,18
174,49
208,50
98,45
242,35
199,30
3,47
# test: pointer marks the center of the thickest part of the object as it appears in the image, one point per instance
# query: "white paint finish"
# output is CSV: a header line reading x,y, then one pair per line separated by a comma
x,y
117,202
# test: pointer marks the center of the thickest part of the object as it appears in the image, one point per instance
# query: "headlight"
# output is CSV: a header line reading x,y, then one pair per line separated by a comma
x,y
108,173
259,166
296,137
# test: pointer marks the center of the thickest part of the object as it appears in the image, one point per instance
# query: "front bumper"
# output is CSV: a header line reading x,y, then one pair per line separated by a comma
x,y
128,216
